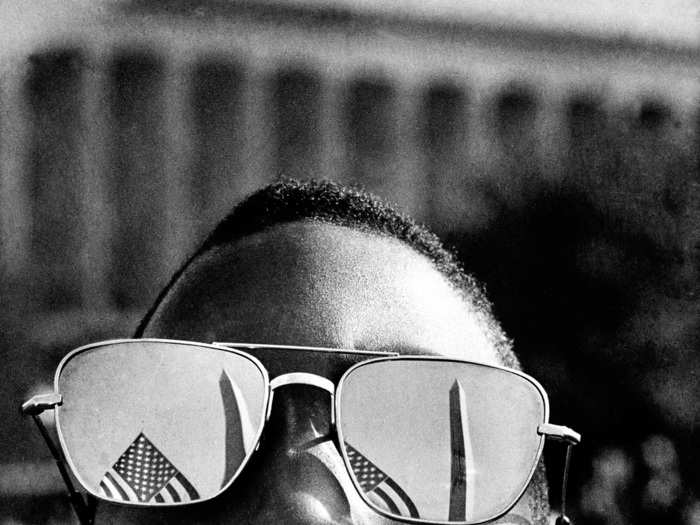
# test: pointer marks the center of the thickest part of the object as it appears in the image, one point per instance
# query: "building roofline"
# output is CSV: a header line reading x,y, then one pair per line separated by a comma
x,y
341,14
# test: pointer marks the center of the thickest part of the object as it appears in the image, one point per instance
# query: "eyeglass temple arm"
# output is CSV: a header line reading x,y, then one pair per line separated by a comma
x,y
559,433
571,438
34,407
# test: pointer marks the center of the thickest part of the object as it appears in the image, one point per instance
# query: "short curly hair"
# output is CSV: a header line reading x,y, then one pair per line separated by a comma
x,y
291,200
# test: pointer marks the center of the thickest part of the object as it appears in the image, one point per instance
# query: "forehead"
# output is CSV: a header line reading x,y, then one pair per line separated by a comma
x,y
317,284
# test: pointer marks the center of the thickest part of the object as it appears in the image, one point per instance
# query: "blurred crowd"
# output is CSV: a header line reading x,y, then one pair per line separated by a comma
x,y
640,483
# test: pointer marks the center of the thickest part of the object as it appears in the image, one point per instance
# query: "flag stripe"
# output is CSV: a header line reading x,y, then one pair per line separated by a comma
x,y
370,478
117,486
124,484
165,496
179,489
159,499
105,489
110,486
173,492
413,511
187,485
387,500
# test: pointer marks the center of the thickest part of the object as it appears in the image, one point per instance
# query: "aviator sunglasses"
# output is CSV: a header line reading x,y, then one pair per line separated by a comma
x,y
155,422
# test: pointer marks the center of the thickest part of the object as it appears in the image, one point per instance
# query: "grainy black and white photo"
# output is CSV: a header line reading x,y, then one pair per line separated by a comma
x,y
350,262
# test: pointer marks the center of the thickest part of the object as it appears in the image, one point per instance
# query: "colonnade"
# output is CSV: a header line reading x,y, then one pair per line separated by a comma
x,y
114,164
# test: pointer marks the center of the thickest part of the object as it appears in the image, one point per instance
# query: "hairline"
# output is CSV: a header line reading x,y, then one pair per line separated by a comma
x,y
458,281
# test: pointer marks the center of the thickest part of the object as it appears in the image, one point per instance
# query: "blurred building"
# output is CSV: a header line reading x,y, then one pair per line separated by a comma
x,y
128,128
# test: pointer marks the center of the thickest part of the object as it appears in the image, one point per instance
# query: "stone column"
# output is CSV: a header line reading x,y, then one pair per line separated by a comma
x,y
97,219
257,147
15,205
178,214
407,182
332,147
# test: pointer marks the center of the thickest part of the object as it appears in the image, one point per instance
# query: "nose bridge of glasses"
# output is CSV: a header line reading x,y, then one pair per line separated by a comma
x,y
301,378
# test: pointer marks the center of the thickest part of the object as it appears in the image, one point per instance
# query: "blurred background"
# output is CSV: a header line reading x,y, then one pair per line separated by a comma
x,y
554,145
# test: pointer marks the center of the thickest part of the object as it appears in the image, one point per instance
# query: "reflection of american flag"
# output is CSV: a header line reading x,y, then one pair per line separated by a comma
x,y
143,474
379,487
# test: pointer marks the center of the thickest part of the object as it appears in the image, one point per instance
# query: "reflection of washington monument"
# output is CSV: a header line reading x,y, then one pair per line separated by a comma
x,y
462,464
239,428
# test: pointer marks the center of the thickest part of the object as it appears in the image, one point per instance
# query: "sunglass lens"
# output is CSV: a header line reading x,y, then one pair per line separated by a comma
x,y
159,423
440,440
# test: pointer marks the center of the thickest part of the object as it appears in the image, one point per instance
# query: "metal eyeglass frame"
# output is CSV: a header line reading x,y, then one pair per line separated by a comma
x,y
85,507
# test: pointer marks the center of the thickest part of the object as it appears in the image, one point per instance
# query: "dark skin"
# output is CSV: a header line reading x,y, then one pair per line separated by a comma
x,y
310,284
